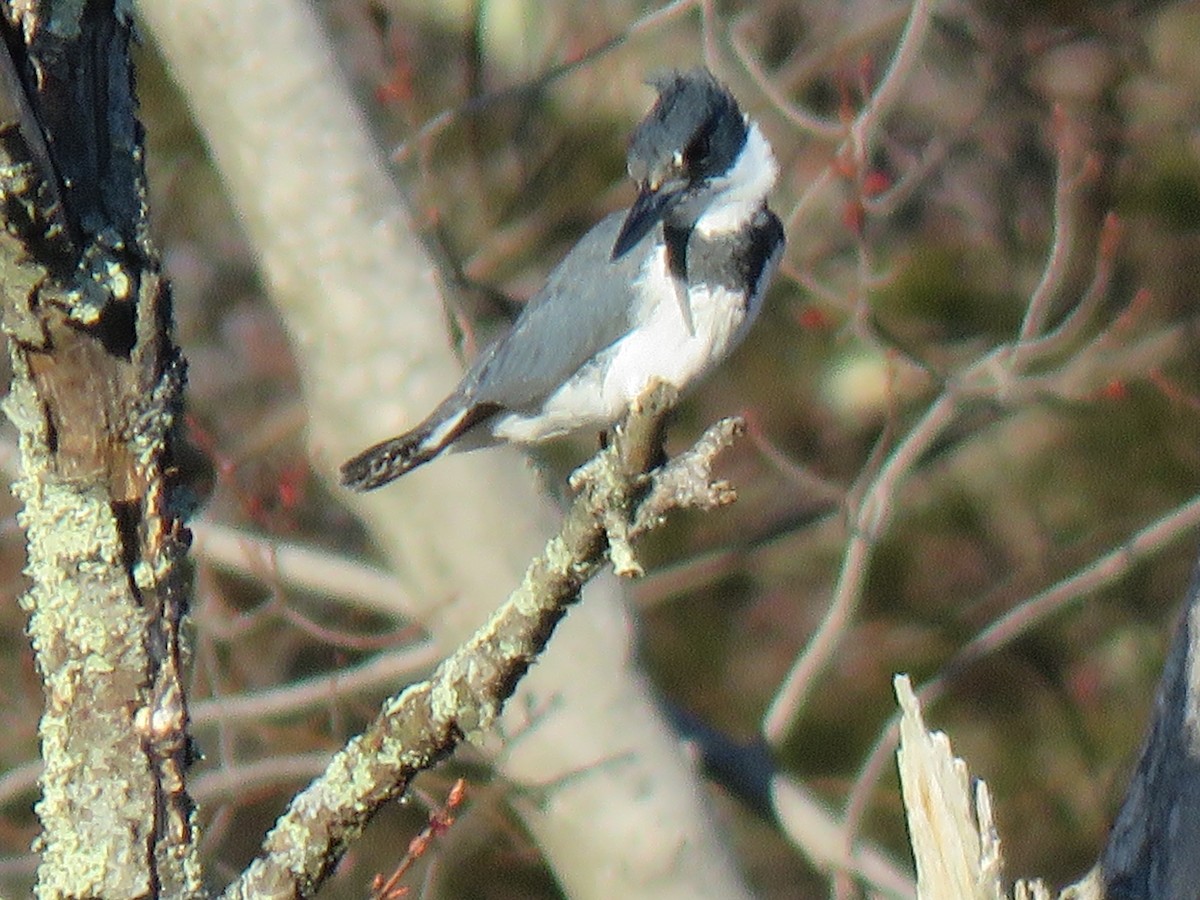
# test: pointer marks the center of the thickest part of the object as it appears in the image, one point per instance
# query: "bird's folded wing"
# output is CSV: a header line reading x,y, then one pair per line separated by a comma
x,y
583,308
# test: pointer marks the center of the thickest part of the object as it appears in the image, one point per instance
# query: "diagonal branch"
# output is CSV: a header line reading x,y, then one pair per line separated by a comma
x,y
426,722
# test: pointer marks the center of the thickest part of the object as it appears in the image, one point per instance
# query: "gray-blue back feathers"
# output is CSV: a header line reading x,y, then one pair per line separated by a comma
x,y
562,326
565,324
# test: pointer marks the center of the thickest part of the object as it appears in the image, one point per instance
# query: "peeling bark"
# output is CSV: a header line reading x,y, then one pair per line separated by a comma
x,y
96,397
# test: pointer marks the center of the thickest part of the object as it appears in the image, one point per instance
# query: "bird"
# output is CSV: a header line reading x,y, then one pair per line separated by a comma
x,y
661,291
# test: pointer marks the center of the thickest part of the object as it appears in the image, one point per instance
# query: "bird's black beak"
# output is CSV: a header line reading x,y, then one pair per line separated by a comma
x,y
647,211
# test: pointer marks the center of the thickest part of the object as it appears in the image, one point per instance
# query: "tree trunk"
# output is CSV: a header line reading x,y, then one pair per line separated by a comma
x,y
95,395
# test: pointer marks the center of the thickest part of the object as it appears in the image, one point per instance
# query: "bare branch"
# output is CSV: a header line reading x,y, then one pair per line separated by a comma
x,y
310,568
376,674
1000,373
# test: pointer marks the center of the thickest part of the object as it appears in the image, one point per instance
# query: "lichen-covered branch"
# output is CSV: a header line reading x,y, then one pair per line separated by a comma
x,y
95,396
616,502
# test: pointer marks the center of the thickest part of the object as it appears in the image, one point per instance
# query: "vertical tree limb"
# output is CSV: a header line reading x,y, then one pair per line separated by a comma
x,y
95,395
1151,851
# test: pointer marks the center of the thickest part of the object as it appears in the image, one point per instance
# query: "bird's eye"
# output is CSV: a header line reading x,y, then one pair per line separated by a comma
x,y
698,150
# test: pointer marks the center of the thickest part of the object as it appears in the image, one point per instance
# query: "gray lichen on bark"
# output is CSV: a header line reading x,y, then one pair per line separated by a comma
x,y
95,396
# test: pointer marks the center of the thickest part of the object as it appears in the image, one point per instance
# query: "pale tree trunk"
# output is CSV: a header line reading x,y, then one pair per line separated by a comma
x,y
95,393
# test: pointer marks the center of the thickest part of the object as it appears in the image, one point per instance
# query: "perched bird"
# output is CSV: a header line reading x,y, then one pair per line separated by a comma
x,y
663,290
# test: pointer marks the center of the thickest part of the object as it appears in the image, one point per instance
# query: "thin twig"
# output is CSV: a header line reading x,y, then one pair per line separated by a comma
x,y
438,123
887,93
998,373
863,130
387,670
816,126
312,569
1062,246
871,518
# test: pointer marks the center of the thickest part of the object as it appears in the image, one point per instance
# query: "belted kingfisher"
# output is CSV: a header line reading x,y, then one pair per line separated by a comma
x,y
663,290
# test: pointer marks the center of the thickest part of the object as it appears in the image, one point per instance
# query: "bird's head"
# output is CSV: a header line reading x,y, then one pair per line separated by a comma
x,y
696,160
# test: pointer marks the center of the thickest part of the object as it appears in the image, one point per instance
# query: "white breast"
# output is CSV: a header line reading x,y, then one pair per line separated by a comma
x,y
662,345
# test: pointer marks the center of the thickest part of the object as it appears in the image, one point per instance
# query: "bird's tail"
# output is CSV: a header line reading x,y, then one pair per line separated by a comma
x,y
388,460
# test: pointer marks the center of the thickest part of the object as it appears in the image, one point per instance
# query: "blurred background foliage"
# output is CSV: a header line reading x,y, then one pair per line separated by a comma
x,y
507,122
